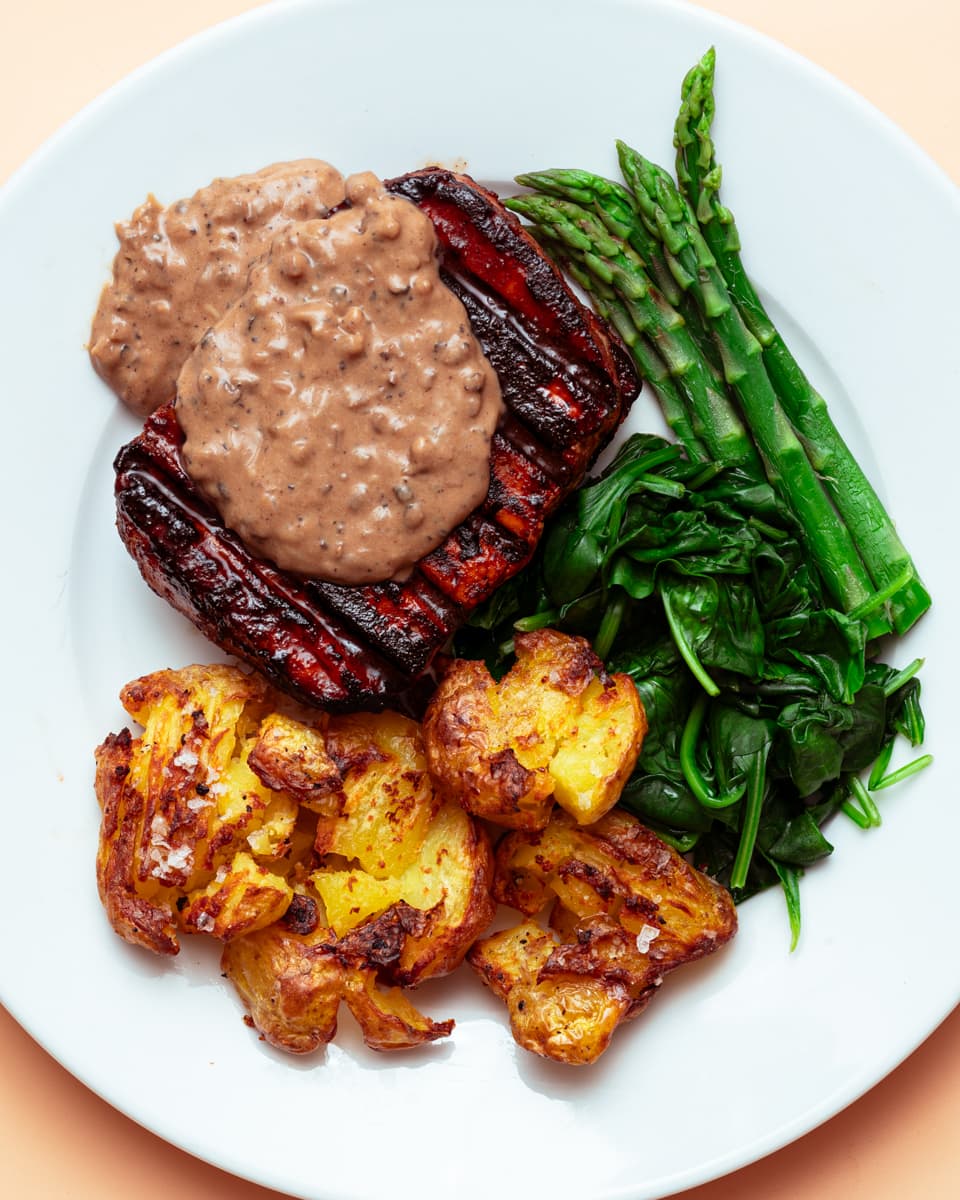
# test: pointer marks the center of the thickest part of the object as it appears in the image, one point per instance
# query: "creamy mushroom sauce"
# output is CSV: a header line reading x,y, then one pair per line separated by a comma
x,y
179,268
339,414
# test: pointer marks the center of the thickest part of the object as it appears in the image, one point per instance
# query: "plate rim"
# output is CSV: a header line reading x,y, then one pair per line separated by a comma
x,y
268,14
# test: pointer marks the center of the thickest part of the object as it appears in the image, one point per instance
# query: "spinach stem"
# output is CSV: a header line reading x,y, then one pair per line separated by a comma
x,y
767,531
882,595
610,625
911,722
709,472
904,772
790,882
867,803
536,621
661,487
695,778
686,650
849,809
756,785
879,768
897,681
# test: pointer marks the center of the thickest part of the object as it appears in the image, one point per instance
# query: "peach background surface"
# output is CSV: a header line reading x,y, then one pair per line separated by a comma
x,y
59,1140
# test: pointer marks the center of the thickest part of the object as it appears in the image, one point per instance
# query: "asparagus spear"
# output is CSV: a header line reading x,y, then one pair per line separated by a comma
x,y
668,215
617,209
883,553
609,259
652,368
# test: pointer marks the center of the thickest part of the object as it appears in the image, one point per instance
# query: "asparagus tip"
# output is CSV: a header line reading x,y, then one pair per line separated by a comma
x,y
701,73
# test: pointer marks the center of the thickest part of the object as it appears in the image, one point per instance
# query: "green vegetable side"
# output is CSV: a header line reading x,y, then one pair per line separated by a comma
x,y
742,575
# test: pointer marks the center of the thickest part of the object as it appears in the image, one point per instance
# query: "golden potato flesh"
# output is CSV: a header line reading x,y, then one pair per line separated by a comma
x,y
625,908
387,797
180,802
396,847
555,729
239,899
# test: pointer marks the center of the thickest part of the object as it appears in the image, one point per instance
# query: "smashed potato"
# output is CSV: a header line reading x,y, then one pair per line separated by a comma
x,y
318,851
324,855
293,984
397,847
624,909
555,729
181,808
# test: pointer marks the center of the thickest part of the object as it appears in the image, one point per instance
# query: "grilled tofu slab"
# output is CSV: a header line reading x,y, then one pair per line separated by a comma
x,y
566,383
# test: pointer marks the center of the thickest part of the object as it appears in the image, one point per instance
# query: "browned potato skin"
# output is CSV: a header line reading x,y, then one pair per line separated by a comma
x,y
620,868
559,1007
626,909
290,984
387,1019
492,745
135,918
290,756
293,984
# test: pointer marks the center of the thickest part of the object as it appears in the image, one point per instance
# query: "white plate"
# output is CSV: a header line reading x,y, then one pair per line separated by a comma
x,y
854,236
